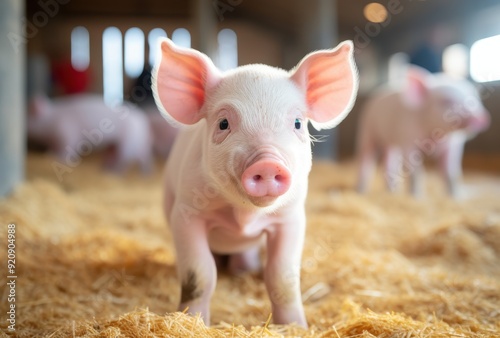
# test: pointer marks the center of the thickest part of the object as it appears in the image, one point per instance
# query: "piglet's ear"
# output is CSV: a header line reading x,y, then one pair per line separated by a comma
x,y
180,82
416,89
330,81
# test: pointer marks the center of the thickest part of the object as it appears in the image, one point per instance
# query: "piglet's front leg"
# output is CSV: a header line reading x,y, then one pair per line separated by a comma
x,y
195,265
282,272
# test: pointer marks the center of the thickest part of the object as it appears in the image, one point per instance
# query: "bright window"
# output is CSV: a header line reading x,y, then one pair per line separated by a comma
x,y
455,61
181,37
134,52
228,49
80,50
484,59
112,58
154,47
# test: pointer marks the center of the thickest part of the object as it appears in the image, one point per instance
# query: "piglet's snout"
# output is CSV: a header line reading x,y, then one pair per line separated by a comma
x,y
266,178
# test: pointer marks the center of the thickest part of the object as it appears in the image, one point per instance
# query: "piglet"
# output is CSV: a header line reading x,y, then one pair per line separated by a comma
x,y
237,176
74,126
431,115
163,133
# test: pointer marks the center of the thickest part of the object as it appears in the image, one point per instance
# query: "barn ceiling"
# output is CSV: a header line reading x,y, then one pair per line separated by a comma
x,y
280,15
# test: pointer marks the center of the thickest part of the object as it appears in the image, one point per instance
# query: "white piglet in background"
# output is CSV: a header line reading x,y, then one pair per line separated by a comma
x,y
237,176
164,133
74,126
431,115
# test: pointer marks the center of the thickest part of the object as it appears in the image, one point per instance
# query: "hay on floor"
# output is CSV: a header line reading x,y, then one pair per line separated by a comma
x,y
95,259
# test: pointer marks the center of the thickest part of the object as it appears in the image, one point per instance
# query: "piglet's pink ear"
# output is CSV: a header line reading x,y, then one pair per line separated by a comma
x,y
416,90
180,82
330,81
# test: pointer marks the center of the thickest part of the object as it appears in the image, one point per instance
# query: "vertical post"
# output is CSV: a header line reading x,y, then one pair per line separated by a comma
x,y
206,27
12,109
318,30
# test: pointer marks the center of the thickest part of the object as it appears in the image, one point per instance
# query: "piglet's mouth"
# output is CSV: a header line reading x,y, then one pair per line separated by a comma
x,y
262,202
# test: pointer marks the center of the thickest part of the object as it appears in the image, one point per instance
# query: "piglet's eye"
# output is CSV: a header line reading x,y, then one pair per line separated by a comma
x,y
298,124
223,124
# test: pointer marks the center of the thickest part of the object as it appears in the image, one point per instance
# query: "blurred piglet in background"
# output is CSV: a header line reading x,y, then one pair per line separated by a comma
x,y
431,115
163,133
74,126
238,174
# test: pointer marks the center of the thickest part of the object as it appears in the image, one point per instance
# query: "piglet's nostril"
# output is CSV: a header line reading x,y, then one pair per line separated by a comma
x,y
257,178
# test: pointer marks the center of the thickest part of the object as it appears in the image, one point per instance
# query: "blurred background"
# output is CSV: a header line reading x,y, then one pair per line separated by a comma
x,y
65,47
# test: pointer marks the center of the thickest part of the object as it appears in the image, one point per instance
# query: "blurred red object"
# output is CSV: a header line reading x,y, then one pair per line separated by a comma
x,y
68,80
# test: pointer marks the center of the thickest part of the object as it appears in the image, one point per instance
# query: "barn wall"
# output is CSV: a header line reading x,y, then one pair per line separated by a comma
x,y
259,44
255,45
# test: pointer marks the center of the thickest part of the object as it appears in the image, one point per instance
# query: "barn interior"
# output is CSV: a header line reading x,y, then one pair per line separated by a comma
x,y
93,254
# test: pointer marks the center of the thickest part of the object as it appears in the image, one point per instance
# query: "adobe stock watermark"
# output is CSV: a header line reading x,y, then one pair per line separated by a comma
x,y
363,37
201,198
323,249
454,119
286,290
221,7
213,187
30,28
485,90
11,276
91,139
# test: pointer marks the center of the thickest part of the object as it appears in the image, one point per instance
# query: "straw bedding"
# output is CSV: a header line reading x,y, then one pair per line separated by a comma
x,y
95,259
